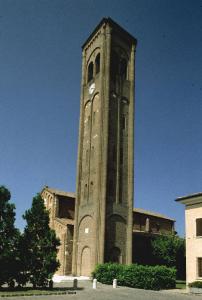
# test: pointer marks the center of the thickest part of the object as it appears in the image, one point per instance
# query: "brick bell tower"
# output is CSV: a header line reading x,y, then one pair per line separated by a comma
x,y
104,193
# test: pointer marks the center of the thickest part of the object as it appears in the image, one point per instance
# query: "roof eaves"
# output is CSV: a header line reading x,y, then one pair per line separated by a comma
x,y
113,25
59,192
188,197
151,213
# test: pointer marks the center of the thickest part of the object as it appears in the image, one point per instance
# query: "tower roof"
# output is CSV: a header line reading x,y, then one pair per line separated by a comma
x,y
113,25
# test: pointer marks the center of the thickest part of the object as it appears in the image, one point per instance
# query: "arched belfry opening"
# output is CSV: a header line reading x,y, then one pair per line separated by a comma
x,y
114,68
90,71
119,66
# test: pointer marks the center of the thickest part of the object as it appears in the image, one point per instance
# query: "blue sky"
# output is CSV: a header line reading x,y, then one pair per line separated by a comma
x,y
40,73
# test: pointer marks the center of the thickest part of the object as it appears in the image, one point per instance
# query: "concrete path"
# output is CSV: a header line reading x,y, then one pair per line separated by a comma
x,y
106,292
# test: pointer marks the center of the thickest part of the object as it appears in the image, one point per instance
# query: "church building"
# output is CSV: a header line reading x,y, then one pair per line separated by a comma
x,y
146,226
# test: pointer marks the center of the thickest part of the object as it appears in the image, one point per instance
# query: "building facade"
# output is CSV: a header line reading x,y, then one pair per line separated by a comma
x,y
146,225
61,207
104,194
193,231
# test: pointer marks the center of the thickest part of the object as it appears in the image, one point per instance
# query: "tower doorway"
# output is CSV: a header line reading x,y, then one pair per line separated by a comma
x,y
86,262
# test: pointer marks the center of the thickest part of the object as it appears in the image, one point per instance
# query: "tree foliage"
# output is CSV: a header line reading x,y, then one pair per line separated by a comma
x,y
39,245
167,247
169,250
9,237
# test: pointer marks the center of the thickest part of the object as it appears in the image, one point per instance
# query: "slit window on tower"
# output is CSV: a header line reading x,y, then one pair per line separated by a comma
x,y
94,117
91,191
90,71
97,64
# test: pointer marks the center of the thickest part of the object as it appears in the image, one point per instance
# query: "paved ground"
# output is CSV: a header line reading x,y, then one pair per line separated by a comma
x,y
106,292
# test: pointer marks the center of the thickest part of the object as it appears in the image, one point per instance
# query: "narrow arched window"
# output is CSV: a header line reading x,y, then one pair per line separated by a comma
x,y
85,191
91,188
90,71
97,64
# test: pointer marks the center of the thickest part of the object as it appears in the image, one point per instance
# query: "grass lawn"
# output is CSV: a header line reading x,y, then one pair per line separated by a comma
x,y
28,291
180,284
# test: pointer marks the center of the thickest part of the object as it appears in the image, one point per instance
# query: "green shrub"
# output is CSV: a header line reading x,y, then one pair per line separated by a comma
x,y
196,284
136,276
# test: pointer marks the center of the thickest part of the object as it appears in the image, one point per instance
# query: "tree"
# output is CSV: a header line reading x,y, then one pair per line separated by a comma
x,y
39,245
9,237
169,250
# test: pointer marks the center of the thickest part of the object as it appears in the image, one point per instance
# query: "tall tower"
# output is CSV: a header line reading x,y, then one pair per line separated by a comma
x,y
104,193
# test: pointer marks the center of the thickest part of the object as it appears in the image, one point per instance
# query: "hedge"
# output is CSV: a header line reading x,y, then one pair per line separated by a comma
x,y
196,284
136,276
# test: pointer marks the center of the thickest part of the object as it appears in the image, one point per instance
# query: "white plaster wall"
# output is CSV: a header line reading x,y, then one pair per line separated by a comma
x,y
193,243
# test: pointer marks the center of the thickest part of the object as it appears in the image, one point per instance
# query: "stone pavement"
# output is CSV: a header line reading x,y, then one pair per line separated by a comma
x,y
106,292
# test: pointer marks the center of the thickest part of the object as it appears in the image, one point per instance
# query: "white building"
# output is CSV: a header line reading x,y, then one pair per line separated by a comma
x,y
193,230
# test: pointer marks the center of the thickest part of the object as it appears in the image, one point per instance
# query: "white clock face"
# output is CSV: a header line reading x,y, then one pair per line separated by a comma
x,y
91,88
